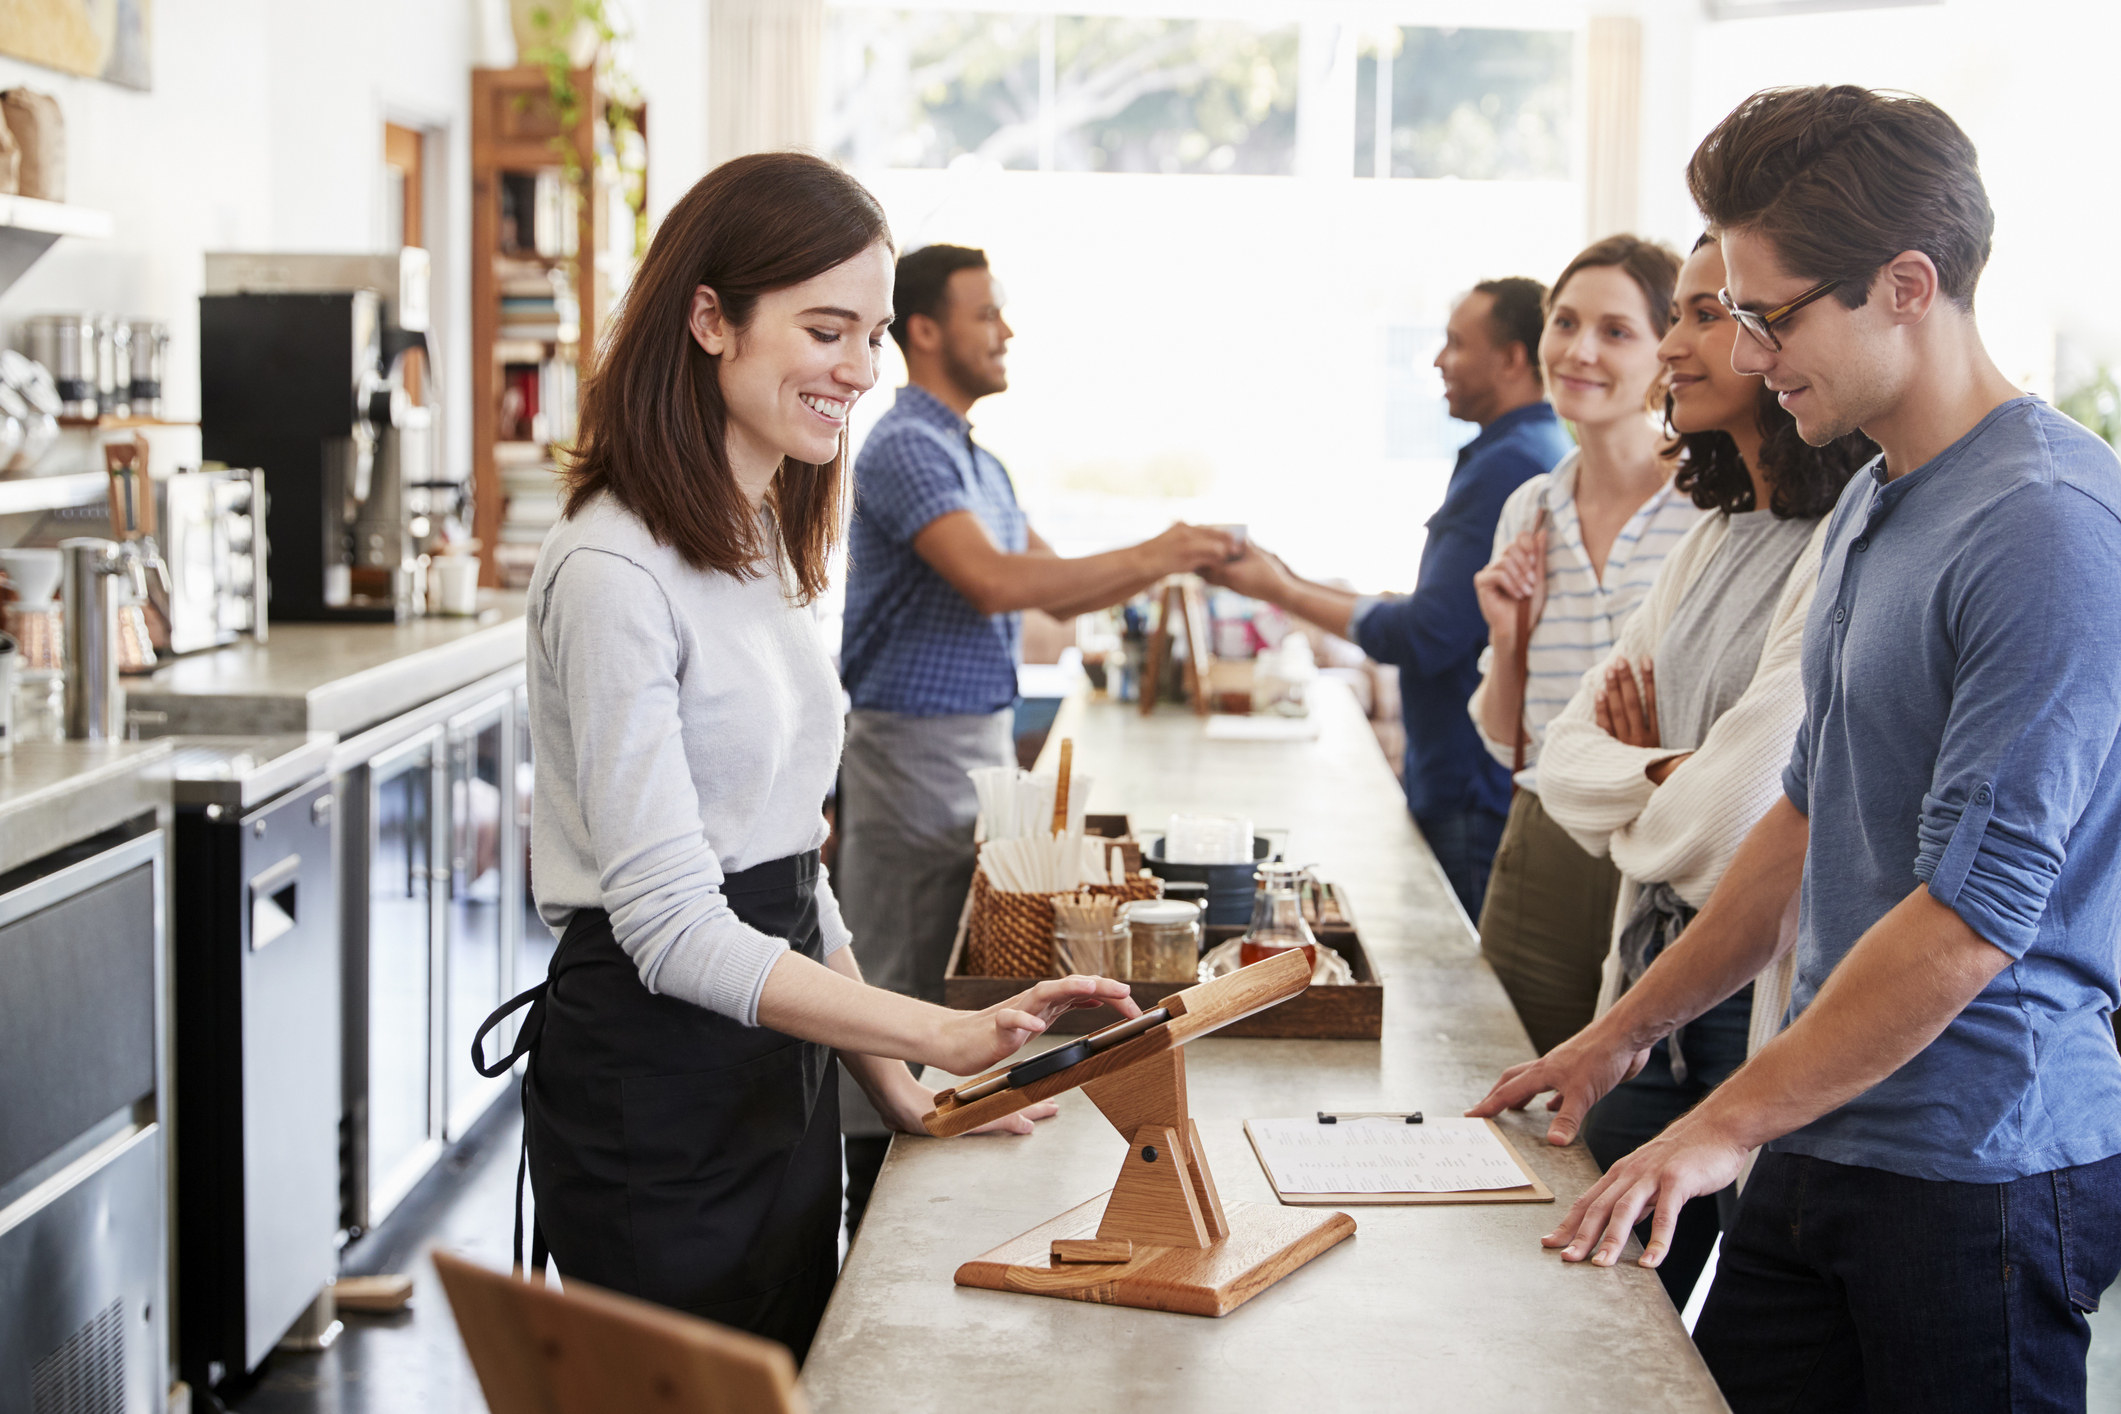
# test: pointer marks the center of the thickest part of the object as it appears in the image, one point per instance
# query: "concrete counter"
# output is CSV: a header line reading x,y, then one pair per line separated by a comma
x,y
53,794
1442,1307
330,677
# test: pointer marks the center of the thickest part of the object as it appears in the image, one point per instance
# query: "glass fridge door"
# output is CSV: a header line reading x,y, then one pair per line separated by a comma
x,y
403,1134
481,833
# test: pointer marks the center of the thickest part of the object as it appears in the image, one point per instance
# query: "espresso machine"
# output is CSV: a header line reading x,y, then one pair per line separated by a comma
x,y
305,371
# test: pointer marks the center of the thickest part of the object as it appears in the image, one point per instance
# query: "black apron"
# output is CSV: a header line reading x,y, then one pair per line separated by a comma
x,y
674,1154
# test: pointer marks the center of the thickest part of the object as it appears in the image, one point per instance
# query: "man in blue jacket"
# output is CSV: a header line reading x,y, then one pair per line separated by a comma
x,y
1434,636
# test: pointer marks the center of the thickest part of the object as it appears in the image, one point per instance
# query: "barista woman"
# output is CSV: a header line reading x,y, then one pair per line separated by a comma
x,y
681,1106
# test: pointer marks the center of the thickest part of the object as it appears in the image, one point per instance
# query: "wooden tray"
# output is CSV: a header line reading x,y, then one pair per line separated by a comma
x,y
1349,1013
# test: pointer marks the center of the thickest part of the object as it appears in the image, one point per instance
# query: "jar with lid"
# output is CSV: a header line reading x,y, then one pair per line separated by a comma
x,y
1166,940
1083,944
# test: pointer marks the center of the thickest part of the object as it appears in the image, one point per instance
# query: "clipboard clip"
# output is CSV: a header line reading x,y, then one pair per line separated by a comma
x,y
1403,1116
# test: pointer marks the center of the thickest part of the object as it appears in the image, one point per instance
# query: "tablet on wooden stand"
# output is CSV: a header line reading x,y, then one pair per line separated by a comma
x,y
1161,1239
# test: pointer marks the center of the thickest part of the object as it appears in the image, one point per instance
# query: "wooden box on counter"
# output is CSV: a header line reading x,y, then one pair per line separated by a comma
x,y
1353,1012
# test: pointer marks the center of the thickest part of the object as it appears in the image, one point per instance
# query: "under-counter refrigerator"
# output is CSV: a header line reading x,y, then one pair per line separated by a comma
x,y
256,947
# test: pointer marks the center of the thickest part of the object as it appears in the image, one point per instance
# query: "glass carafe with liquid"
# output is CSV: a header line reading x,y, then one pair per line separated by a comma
x,y
1277,915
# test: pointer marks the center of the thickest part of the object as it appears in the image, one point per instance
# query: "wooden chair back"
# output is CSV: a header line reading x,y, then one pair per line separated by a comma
x,y
541,1350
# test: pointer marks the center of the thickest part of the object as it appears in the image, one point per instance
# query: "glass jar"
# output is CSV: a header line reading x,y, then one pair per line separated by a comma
x,y
1094,951
1166,940
1277,915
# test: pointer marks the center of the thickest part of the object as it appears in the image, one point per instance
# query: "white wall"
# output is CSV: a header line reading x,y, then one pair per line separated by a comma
x,y
264,131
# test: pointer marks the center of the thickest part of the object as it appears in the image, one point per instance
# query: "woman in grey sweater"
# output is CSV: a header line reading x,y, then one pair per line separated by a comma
x,y
681,1110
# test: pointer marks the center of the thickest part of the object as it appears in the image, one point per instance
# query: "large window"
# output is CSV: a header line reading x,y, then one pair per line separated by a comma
x,y
1480,104
1216,319
1061,93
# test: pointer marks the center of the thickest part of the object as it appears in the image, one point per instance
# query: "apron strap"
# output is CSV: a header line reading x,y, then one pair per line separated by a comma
x,y
527,1042
526,1039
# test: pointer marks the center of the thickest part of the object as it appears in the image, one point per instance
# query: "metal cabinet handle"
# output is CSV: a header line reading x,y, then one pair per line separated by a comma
x,y
273,903
320,808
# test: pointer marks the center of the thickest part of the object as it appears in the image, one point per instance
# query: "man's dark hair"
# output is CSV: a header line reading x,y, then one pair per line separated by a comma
x,y
923,284
1517,316
1840,180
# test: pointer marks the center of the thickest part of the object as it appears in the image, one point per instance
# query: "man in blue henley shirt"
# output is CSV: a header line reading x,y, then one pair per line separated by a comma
x,y
1936,1200
1456,792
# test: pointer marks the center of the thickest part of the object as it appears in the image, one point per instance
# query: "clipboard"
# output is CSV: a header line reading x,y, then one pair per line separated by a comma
x,y
1533,1190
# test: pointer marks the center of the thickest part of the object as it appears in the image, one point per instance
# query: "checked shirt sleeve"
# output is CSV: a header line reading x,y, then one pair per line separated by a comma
x,y
910,479
2036,703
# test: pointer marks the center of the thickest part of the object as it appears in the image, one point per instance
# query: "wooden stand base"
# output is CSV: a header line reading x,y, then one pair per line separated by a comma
x,y
1264,1245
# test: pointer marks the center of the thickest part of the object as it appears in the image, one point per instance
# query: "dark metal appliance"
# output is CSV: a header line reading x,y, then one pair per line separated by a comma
x,y
388,520
256,930
293,383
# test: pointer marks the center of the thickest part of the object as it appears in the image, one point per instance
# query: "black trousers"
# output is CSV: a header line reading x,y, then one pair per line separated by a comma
x,y
1848,1290
677,1155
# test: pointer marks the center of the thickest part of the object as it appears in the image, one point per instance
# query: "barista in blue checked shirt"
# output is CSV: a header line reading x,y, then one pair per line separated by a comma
x,y
942,564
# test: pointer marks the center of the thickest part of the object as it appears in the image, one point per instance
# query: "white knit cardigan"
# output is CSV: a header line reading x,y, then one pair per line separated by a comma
x,y
1685,832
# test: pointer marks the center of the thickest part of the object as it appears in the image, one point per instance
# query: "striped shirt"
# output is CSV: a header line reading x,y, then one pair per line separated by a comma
x,y
1583,613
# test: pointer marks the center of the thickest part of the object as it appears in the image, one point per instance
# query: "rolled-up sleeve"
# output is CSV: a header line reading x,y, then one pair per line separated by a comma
x,y
2036,703
610,635
1797,775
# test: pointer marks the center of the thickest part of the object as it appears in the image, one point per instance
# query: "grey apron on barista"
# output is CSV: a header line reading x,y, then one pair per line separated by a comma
x,y
674,1154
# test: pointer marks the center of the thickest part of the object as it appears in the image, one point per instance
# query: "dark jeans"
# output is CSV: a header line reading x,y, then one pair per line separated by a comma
x,y
1638,1110
1843,1288
1464,844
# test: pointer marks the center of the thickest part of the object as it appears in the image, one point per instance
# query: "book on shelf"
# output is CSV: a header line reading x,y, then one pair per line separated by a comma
x,y
520,452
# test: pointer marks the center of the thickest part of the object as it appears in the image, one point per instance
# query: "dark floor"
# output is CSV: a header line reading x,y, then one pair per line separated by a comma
x,y
412,1363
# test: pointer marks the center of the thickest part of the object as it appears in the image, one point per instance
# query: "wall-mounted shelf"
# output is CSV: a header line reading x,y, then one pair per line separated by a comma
x,y
22,494
29,226
120,424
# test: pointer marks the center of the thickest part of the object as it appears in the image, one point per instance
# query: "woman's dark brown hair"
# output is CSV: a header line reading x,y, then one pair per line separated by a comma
x,y
1803,481
1651,265
1840,180
653,426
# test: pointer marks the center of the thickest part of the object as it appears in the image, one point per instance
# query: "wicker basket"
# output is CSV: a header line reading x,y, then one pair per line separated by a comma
x,y
1011,934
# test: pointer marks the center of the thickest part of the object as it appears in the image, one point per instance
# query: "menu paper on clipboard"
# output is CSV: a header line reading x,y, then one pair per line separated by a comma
x,y
1444,1160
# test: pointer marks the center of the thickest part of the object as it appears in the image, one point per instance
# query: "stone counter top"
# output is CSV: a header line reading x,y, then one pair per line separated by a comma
x,y
53,794
1426,1307
330,677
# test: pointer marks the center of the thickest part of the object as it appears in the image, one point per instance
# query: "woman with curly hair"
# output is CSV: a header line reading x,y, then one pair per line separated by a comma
x,y
1673,748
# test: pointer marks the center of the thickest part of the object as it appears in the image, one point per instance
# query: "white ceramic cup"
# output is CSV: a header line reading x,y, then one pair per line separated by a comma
x,y
453,585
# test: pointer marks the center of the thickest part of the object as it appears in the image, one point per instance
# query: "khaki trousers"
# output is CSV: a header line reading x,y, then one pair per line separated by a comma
x,y
1547,923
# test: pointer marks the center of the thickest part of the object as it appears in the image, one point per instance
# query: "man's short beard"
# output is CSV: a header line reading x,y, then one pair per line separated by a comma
x,y
969,379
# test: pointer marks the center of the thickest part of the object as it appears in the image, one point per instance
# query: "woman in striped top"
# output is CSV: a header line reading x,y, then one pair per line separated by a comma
x,y
1577,548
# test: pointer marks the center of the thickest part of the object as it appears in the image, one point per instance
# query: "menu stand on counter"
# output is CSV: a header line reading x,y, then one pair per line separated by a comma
x,y
1184,602
1161,1239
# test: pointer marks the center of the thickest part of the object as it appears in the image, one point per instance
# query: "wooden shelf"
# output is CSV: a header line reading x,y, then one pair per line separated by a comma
x,y
514,127
116,424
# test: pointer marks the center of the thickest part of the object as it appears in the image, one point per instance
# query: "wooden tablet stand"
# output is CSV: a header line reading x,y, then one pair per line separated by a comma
x,y
1161,1239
